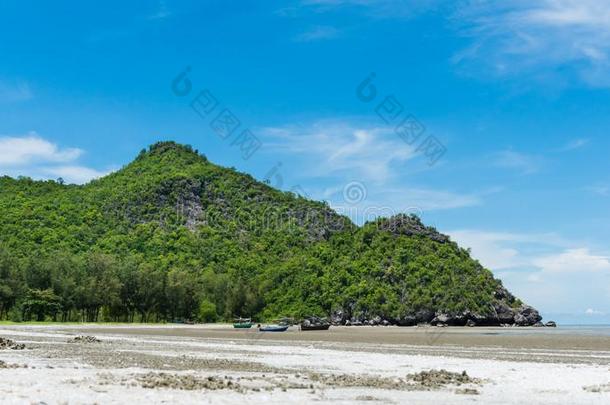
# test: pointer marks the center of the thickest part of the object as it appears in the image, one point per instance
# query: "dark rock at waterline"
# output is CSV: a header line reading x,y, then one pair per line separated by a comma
x,y
337,317
424,316
527,316
407,320
484,320
551,324
500,313
504,313
441,318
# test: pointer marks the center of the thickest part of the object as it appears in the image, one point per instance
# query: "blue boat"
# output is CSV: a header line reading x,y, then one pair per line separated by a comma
x,y
273,328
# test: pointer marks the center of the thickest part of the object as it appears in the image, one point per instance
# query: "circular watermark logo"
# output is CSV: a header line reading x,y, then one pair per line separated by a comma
x,y
354,192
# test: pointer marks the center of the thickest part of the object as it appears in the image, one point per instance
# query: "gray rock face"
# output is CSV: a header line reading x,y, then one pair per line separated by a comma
x,y
551,324
527,316
504,295
406,321
442,319
485,320
520,320
424,316
410,225
338,317
504,313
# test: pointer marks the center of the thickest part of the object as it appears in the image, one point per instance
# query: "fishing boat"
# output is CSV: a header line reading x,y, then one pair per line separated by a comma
x,y
273,328
242,323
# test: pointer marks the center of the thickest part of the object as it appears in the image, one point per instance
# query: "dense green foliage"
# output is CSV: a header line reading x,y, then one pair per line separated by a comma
x,y
172,236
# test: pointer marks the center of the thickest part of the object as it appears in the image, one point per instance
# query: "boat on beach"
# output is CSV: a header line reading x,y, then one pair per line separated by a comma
x,y
273,328
242,323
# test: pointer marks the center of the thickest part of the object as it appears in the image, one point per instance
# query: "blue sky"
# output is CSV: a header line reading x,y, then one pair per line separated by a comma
x,y
517,96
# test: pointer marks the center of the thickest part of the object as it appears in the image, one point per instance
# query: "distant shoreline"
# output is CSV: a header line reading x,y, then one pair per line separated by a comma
x,y
562,338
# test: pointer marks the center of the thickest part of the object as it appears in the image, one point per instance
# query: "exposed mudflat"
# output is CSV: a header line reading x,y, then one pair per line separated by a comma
x,y
216,364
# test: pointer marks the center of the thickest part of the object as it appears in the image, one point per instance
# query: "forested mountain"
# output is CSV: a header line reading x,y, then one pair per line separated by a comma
x,y
172,236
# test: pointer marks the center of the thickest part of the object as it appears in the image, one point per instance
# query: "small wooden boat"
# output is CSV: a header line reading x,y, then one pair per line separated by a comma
x,y
242,323
273,328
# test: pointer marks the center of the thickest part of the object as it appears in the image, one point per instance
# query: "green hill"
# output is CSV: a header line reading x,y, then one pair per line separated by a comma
x,y
172,236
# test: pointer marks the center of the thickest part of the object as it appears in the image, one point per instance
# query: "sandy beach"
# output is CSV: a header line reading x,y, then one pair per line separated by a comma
x,y
216,364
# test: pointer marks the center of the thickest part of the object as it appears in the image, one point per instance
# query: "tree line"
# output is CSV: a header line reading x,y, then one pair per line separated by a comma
x,y
96,287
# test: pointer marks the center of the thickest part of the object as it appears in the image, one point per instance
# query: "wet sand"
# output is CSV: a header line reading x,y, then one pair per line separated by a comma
x,y
217,364
512,338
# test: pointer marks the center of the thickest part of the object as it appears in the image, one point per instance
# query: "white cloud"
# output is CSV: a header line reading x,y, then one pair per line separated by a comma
x,y
544,253
503,250
575,144
317,34
376,8
33,156
337,152
545,270
387,202
600,189
526,164
363,152
593,312
579,260
553,41
161,13
18,151
74,174
539,38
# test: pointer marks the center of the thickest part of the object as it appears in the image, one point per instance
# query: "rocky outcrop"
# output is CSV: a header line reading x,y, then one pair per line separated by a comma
x,y
504,313
527,316
501,315
410,225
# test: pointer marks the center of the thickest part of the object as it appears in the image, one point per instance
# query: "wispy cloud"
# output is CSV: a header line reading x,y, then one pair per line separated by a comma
x,y
74,174
31,155
594,312
544,40
505,250
20,151
547,253
318,33
376,8
521,162
599,189
161,13
339,147
538,38
546,270
336,152
575,144
579,260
